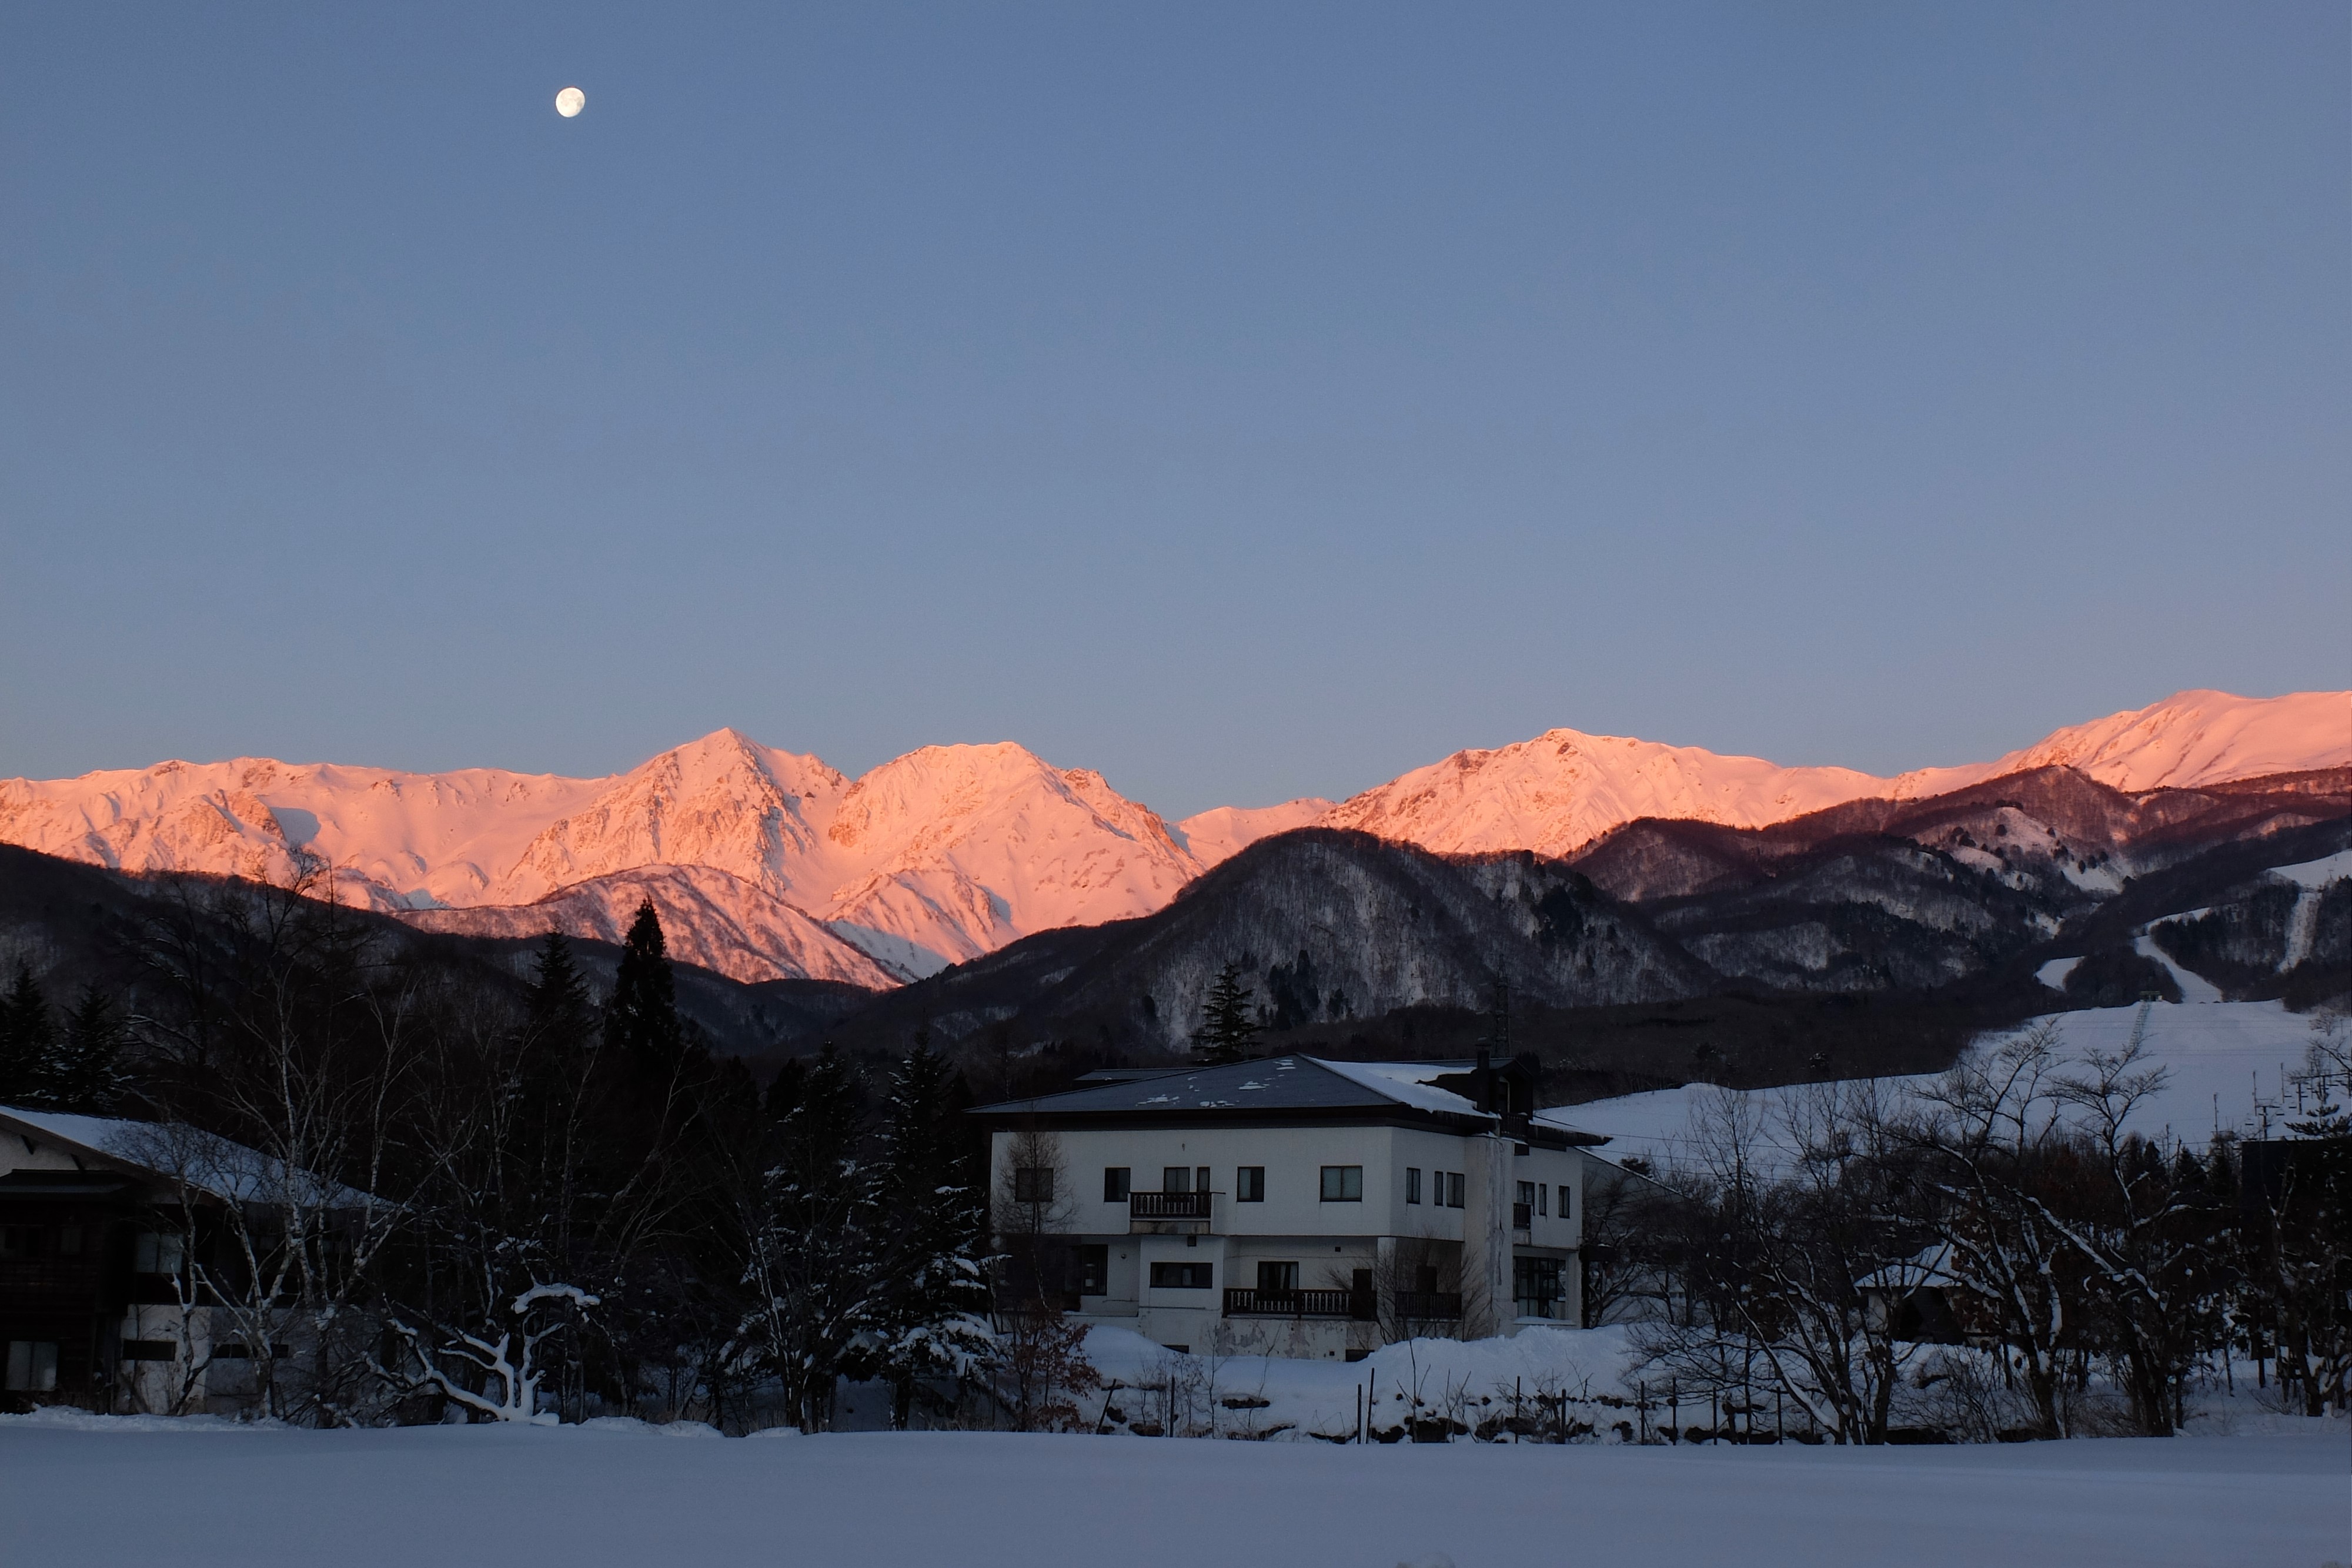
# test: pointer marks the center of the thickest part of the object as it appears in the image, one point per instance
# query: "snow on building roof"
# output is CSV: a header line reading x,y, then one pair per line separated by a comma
x,y
1408,1082
181,1153
1275,1084
1929,1269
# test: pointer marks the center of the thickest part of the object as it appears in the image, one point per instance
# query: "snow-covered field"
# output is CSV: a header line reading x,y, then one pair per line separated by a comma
x,y
587,1498
2218,1058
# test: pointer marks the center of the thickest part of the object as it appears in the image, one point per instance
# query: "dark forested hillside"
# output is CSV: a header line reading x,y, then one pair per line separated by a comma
x,y
1874,936
78,925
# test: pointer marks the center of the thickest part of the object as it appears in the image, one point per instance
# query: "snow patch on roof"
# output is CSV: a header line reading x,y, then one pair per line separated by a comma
x,y
1406,1083
201,1160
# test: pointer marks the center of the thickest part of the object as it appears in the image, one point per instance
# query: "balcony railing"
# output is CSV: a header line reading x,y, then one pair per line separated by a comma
x,y
1429,1306
1353,1304
1167,1205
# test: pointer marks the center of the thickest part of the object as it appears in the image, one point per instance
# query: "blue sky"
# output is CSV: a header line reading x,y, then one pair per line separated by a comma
x,y
1244,401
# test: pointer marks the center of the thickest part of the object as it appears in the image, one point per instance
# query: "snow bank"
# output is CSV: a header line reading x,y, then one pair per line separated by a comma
x,y
630,1427
64,1418
1155,1390
497,1496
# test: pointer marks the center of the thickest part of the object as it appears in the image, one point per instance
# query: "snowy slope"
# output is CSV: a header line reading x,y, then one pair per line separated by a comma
x,y
1562,790
708,917
396,839
1216,836
2219,1060
2197,738
958,850
77,1488
930,859
938,856
953,851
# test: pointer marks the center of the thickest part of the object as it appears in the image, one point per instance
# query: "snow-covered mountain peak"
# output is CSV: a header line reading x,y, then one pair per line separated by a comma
x,y
950,851
1216,835
2196,737
931,786
1564,787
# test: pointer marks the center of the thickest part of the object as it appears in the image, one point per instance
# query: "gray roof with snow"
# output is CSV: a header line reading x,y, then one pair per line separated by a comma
x,y
181,1155
1278,1088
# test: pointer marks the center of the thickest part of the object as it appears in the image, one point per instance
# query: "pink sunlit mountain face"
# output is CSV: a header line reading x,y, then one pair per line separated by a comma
x,y
935,857
1563,790
770,865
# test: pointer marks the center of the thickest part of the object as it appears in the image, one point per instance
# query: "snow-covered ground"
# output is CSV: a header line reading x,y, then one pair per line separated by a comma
x,y
1283,1400
2219,1060
620,1495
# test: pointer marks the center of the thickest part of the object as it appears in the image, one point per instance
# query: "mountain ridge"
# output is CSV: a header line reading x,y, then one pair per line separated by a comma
x,y
949,852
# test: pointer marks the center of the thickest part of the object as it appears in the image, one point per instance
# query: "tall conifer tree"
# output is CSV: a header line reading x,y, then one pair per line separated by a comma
x,y
813,1264
641,1023
87,1075
29,1042
560,1010
932,1219
1227,1024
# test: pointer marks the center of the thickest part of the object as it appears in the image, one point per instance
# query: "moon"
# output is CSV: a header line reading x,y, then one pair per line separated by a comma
x,y
569,102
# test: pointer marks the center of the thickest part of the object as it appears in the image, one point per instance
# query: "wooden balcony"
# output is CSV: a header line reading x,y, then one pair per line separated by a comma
x,y
1353,1304
1168,1212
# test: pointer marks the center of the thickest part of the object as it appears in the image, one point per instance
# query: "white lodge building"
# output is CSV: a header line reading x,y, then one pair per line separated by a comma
x,y
1292,1206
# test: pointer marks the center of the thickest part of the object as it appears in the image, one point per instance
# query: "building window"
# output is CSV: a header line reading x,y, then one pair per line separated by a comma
x,y
19,1243
32,1366
1182,1276
155,1252
1565,1212
1527,1193
1535,1286
69,1242
1412,1184
1094,1270
150,1350
1033,1183
1278,1279
1249,1183
1343,1184
1201,1179
1176,1178
1116,1180
1453,1180
1543,1195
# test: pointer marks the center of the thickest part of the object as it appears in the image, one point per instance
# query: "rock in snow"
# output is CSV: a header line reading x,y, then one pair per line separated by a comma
x,y
953,851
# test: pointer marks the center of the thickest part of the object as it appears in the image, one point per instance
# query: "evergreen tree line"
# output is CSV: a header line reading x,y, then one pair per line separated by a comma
x,y
53,1064
1998,1255
542,1203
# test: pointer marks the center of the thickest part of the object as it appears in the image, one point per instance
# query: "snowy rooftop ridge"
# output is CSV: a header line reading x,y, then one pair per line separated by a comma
x,y
178,1153
1291,1082
1409,1083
